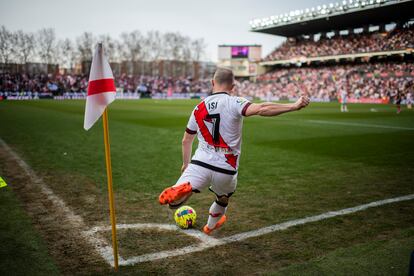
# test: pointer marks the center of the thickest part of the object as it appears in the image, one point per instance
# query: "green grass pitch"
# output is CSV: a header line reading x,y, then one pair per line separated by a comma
x,y
292,166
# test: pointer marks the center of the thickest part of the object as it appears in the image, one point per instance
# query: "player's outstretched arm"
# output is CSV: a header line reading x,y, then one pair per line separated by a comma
x,y
187,146
274,109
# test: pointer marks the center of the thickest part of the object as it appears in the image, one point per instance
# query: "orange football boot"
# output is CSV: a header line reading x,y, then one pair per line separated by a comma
x,y
174,193
219,223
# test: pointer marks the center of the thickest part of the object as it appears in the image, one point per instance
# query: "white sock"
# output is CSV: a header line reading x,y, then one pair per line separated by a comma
x,y
216,212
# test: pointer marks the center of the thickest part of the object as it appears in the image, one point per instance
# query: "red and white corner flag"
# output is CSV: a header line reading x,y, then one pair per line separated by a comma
x,y
101,88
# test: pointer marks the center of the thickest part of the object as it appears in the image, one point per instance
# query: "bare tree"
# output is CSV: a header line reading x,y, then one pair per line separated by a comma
x,y
118,51
185,48
178,51
25,46
6,45
172,42
66,53
110,46
153,49
198,48
132,45
186,54
85,45
46,43
153,45
181,50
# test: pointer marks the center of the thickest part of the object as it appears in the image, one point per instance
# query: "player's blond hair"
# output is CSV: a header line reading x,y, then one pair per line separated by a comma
x,y
223,76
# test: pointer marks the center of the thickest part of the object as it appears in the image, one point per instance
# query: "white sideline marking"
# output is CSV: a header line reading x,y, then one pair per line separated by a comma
x,y
100,245
209,242
357,124
331,214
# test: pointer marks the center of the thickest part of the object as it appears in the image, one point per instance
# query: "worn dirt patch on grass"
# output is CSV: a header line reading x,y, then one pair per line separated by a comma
x,y
134,242
64,242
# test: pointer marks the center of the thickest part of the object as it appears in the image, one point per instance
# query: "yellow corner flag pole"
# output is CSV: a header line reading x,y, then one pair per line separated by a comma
x,y
110,189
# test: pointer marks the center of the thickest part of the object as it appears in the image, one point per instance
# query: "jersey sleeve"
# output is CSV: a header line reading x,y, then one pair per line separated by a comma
x,y
239,106
192,126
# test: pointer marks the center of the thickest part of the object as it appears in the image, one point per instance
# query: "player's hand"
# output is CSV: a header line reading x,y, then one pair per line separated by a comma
x,y
302,102
184,166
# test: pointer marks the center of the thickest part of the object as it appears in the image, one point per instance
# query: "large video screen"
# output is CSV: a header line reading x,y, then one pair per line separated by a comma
x,y
239,51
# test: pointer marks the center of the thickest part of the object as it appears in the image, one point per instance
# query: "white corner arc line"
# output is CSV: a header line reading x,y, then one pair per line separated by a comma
x,y
100,245
246,235
161,227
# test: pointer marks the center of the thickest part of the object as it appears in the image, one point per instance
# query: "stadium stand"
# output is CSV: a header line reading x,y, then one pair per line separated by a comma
x,y
371,81
363,47
396,39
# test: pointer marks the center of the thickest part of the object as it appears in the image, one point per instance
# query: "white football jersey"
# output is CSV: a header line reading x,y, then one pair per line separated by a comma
x,y
218,121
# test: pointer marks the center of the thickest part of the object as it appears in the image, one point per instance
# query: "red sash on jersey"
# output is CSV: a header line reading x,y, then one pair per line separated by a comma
x,y
201,115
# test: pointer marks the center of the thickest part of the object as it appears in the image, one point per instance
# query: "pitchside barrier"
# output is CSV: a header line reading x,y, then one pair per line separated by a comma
x,y
82,96
173,96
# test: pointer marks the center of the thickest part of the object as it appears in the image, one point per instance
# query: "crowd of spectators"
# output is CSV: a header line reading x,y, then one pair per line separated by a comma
x,y
159,84
42,83
367,80
57,84
370,80
397,39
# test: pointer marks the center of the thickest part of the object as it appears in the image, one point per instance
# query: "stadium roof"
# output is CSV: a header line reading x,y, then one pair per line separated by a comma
x,y
337,58
326,18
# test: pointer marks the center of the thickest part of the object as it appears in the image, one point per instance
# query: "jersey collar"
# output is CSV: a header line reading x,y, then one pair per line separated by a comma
x,y
212,94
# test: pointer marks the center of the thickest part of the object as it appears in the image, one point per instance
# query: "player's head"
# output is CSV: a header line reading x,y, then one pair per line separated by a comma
x,y
223,80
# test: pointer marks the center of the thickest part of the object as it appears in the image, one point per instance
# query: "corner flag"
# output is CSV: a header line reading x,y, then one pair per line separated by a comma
x,y
101,92
101,88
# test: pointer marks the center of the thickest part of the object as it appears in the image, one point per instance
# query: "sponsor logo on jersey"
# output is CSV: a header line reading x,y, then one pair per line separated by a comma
x,y
241,101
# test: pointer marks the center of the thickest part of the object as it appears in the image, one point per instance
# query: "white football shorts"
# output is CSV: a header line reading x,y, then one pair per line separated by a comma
x,y
200,178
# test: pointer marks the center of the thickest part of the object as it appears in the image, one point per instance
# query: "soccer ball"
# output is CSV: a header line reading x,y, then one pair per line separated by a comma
x,y
185,217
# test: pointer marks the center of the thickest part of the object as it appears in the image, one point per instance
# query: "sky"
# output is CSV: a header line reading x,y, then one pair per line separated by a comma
x,y
217,21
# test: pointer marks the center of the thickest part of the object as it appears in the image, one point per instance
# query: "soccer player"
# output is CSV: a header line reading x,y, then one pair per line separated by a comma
x,y
409,100
397,101
217,121
344,99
